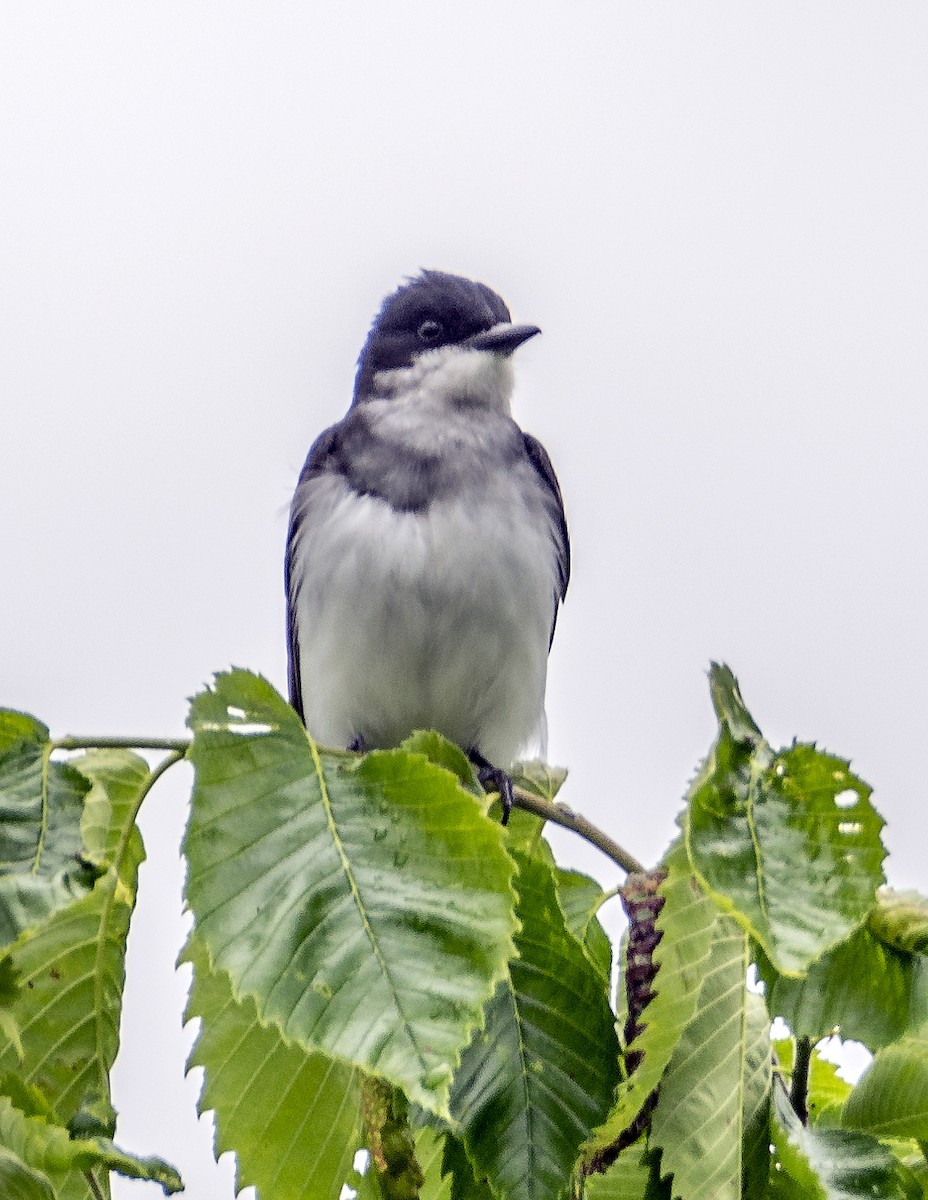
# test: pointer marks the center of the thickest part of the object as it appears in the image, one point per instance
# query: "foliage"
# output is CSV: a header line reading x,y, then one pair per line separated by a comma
x,y
398,997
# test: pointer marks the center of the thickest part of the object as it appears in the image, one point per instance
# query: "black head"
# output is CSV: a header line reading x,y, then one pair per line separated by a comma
x,y
431,310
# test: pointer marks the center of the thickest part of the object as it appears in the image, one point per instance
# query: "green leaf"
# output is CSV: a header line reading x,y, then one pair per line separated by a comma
x,y
757,1077
71,968
900,919
47,1151
787,841
430,1150
714,1092
443,753
539,778
19,1182
525,828
541,1075
460,1170
862,987
581,898
686,925
365,905
891,1098
827,1090
20,727
833,1164
42,864
293,1119
635,1175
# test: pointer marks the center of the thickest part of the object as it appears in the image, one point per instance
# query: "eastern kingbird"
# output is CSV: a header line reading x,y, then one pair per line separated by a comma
x,y
427,552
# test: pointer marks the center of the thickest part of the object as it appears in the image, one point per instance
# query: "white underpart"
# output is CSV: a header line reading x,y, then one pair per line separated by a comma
x,y
438,619
475,375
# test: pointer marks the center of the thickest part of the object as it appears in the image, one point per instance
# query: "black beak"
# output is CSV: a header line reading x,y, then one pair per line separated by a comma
x,y
502,338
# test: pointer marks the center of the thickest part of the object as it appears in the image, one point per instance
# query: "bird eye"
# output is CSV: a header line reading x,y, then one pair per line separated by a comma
x,y
429,331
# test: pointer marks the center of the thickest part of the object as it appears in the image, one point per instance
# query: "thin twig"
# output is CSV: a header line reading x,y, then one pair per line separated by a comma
x,y
180,745
560,814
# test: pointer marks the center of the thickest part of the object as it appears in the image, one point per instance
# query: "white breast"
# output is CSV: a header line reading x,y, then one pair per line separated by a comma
x,y
439,619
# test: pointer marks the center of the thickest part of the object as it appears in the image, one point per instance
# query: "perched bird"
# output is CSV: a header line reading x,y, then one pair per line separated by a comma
x,y
427,552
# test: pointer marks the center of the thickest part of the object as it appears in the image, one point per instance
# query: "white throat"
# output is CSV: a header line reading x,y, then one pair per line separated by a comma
x,y
452,375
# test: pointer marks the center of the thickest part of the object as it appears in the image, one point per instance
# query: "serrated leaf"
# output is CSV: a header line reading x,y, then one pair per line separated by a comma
x,y
42,865
71,968
439,750
581,899
20,727
20,1182
364,904
891,1097
686,924
292,1118
788,841
862,987
755,1106
717,1080
833,1164
430,1151
827,1089
534,1083
460,1170
47,1149
635,1175
539,778
900,919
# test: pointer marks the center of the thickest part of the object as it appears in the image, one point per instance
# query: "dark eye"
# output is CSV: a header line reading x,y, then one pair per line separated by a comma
x,y
430,331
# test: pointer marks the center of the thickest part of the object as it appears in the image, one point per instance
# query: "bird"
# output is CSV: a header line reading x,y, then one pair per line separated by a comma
x,y
427,551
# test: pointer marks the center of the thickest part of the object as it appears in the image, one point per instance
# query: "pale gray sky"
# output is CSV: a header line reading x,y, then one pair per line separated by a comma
x,y
716,213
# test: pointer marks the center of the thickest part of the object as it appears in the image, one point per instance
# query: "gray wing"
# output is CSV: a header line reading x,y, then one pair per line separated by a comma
x,y
322,459
554,504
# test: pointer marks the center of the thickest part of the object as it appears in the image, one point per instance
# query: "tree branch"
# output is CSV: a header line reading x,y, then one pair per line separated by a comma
x,y
557,813
178,745
560,814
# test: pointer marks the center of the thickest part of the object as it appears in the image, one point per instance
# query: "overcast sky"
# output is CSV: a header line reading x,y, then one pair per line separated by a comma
x,y
715,212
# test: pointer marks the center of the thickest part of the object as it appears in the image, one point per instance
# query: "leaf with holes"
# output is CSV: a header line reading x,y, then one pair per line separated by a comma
x,y
787,841
863,987
533,1084
364,904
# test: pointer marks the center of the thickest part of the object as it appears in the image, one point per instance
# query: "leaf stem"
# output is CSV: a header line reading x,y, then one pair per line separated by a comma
x,y
93,1185
799,1089
560,814
178,745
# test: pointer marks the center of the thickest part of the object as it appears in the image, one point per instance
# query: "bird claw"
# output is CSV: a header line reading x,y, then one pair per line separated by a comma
x,y
495,779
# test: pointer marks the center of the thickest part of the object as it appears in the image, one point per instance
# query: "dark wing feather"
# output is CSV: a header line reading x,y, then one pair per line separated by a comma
x,y
539,459
322,458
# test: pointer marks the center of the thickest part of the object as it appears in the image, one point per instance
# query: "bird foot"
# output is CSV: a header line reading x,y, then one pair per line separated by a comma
x,y
494,779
